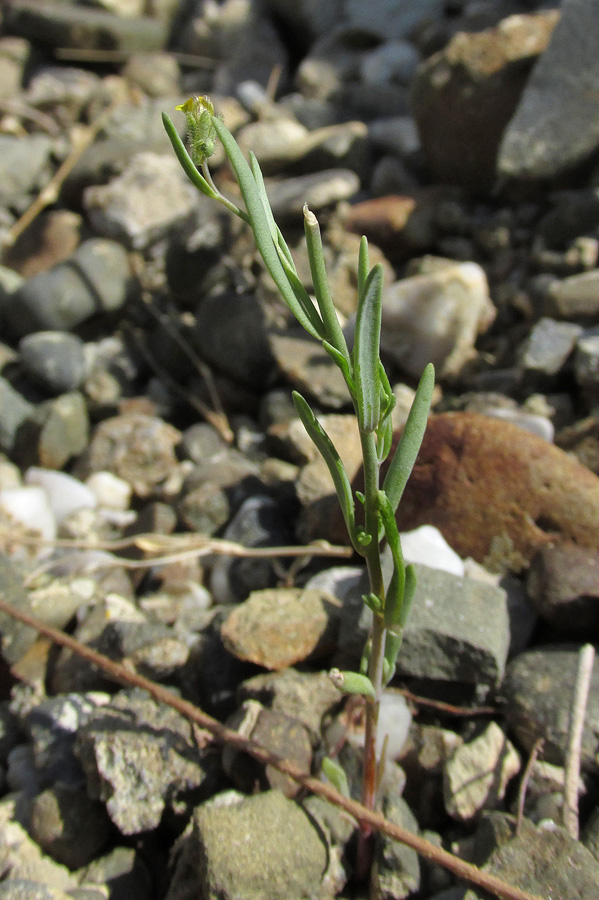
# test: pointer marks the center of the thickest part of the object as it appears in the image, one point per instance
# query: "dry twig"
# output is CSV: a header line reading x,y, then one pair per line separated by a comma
x,y
572,773
362,814
537,748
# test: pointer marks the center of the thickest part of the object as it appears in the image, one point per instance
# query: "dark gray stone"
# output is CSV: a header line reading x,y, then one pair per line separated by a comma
x,y
259,522
94,279
54,360
549,345
68,826
538,689
17,416
555,126
563,587
24,166
396,869
140,758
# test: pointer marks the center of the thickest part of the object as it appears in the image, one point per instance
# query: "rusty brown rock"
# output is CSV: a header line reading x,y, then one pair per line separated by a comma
x,y
498,493
279,627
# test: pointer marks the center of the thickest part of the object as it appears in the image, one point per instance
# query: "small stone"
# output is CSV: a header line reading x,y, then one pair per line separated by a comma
x,y
157,74
548,346
110,491
137,448
49,240
309,368
139,207
26,889
573,297
53,360
477,775
586,359
539,689
139,758
24,166
436,318
427,545
31,507
121,874
14,53
95,278
16,414
396,869
318,189
283,735
303,696
66,494
69,826
563,587
386,20
64,432
279,627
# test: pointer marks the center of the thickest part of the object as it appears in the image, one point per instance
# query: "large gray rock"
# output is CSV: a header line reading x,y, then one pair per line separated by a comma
x,y
458,629
545,862
555,126
249,849
538,689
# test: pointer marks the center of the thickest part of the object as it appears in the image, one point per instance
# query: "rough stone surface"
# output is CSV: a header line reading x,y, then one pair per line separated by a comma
x,y
138,758
538,688
477,774
141,205
279,627
555,127
545,862
436,317
264,845
498,493
563,587
465,95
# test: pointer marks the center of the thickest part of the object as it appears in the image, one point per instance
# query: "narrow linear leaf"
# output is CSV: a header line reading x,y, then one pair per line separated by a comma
x,y
275,231
395,592
335,773
262,234
333,329
392,648
352,683
187,164
384,438
366,352
343,363
327,450
409,592
363,266
409,444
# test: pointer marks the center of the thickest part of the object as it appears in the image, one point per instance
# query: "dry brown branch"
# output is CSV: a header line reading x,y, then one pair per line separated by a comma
x,y
572,773
364,816
81,138
537,748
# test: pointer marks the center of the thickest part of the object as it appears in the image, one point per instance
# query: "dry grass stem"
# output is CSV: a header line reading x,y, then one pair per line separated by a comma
x,y
534,753
572,773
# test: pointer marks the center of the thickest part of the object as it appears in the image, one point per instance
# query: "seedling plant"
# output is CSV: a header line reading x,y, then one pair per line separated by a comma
x,y
369,515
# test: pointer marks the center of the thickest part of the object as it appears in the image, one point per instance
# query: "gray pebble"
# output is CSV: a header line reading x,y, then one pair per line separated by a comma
x,y
53,359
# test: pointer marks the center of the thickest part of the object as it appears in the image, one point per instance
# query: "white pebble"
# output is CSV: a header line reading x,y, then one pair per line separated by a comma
x,y
110,491
31,507
65,493
395,719
427,545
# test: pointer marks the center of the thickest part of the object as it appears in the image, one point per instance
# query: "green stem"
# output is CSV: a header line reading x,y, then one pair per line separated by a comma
x,y
377,653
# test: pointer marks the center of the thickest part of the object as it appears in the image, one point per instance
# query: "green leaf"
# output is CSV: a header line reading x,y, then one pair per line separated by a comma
x,y
352,683
366,352
334,463
395,592
384,438
259,222
187,164
411,439
392,647
409,593
335,773
334,332
363,266
343,363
